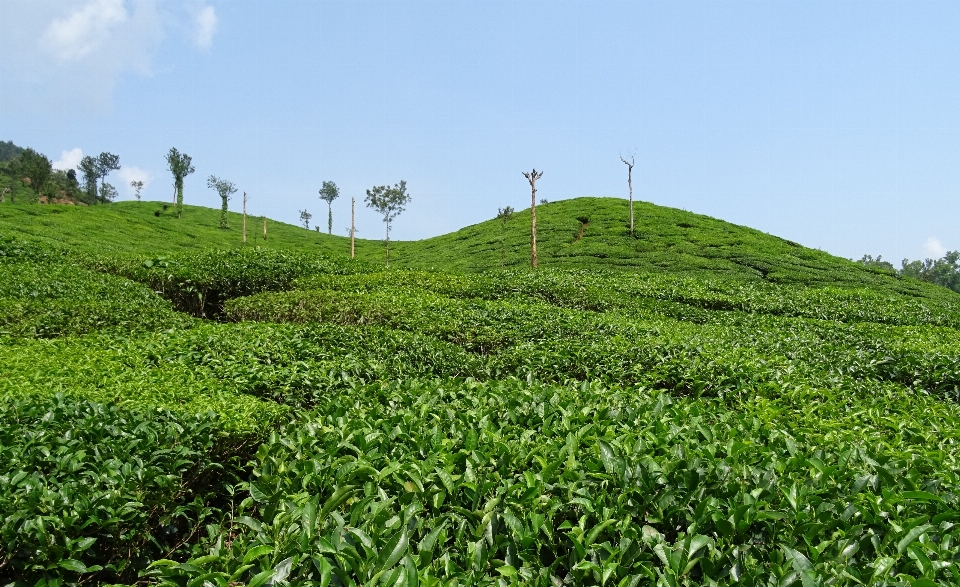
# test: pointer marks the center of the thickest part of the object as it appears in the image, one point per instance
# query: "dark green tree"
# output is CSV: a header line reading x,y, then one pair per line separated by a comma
x,y
137,186
180,165
944,271
33,167
88,167
388,202
225,189
106,163
328,193
305,218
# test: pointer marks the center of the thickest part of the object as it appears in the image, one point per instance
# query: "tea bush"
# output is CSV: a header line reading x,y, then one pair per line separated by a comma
x,y
510,483
92,491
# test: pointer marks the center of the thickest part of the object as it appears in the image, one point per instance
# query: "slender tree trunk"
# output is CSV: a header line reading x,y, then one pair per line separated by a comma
x,y
352,229
533,224
329,218
630,185
179,201
629,165
532,177
264,228
244,217
388,244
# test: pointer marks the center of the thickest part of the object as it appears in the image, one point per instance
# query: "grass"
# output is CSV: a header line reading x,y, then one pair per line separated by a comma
x,y
697,404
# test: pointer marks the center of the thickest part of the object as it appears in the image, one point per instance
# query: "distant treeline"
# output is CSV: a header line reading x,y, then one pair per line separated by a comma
x,y
27,176
944,271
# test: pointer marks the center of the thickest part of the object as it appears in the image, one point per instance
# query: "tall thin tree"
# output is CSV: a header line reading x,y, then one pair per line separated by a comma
x,y
532,177
244,217
224,189
629,165
106,163
328,193
180,165
353,227
504,215
390,202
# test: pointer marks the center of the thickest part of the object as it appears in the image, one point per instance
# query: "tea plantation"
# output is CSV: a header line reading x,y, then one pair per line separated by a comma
x,y
696,404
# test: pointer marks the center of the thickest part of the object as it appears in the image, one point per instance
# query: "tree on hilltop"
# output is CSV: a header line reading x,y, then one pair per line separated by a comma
x,y
388,202
532,177
629,165
224,189
304,218
106,163
328,193
180,165
137,186
33,167
504,215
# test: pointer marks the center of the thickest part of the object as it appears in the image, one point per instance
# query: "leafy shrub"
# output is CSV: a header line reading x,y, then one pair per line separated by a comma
x,y
94,492
200,283
435,482
57,299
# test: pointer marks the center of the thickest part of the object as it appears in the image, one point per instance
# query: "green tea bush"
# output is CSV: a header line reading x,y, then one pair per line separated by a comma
x,y
445,482
724,353
200,283
58,299
92,492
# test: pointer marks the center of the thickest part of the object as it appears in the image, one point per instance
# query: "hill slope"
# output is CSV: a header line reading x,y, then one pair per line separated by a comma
x,y
666,240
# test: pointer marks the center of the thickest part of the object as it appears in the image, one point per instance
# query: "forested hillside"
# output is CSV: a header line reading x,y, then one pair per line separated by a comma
x,y
696,404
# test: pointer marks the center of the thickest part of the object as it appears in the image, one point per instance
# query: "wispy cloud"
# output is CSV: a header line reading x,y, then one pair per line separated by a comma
x,y
69,159
65,57
77,35
934,247
206,26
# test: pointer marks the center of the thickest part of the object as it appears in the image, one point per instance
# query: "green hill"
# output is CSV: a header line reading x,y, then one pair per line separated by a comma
x,y
697,404
665,240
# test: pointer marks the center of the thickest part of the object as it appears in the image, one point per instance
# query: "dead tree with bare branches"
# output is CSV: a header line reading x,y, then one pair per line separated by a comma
x,y
629,165
532,177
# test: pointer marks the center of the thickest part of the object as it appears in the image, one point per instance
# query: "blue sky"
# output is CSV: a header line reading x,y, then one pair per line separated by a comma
x,y
832,123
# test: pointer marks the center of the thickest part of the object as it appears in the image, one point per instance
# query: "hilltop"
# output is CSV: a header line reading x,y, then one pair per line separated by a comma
x,y
582,233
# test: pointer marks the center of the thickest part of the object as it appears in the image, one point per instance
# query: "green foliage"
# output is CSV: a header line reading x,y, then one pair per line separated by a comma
x,y
94,492
224,189
9,151
63,299
435,482
944,271
200,283
33,168
389,202
180,165
733,409
328,193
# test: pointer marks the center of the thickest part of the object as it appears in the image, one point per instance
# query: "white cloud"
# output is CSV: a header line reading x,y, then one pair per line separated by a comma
x,y
934,247
75,36
69,159
63,58
129,173
206,24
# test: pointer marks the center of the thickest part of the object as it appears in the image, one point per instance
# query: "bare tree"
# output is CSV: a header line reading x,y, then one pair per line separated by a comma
x,y
244,217
353,228
504,215
264,227
532,177
629,165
